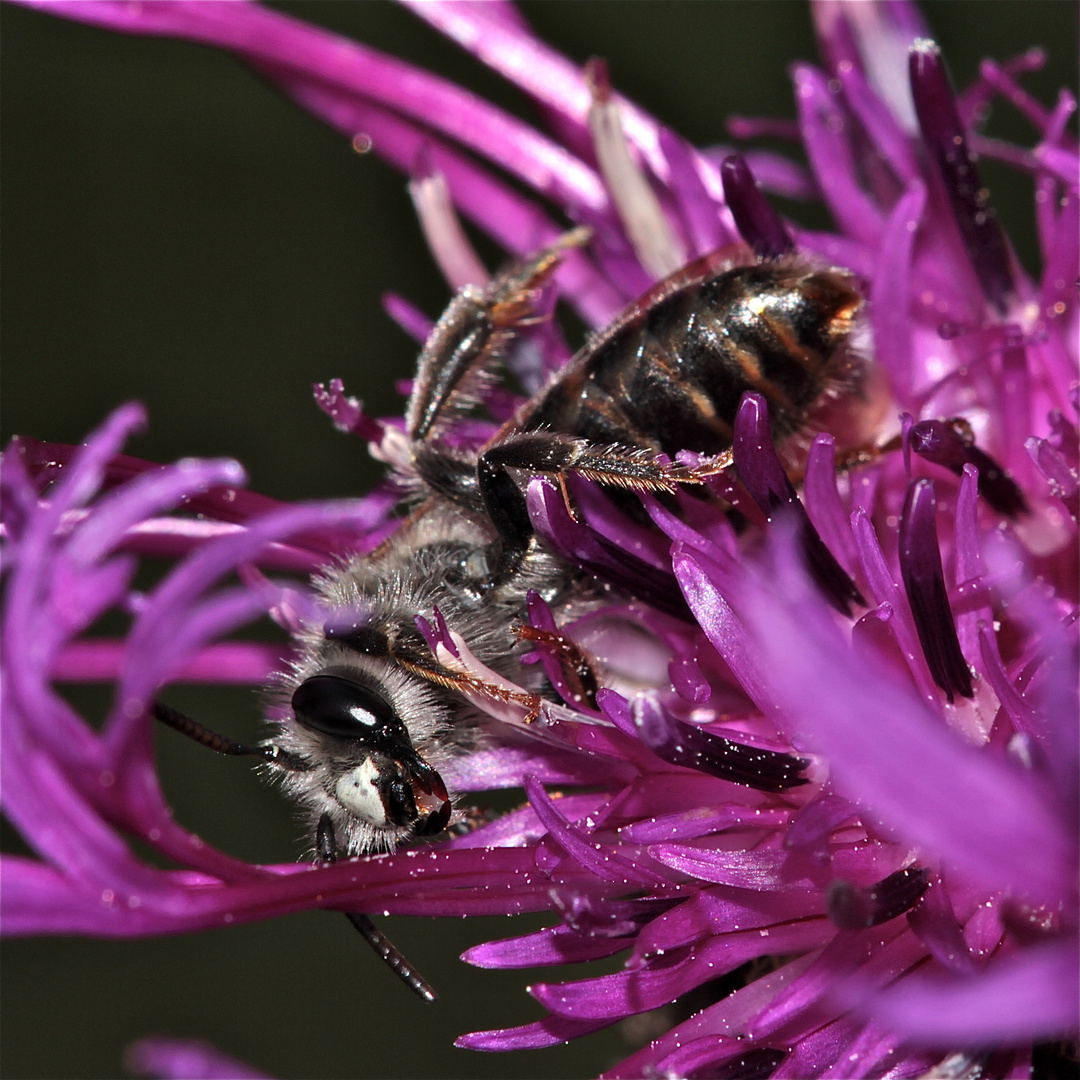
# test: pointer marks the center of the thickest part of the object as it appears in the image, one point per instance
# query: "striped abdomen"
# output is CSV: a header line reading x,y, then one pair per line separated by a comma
x,y
668,375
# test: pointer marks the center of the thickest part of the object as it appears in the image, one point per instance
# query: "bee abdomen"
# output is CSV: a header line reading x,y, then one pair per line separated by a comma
x,y
671,373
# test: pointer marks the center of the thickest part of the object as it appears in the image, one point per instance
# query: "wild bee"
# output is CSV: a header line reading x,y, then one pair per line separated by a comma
x,y
371,715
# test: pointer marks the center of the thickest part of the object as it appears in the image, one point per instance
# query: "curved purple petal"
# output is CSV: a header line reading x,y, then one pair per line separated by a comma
x,y
1033,995
888,749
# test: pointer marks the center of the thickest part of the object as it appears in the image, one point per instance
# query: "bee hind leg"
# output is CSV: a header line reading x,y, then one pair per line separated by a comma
x,y
556,455
473,337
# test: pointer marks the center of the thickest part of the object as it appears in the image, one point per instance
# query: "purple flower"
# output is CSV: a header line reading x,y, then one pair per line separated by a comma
x,y
839,772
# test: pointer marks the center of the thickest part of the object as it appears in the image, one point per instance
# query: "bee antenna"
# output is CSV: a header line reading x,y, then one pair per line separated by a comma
x,y
326,852
271,755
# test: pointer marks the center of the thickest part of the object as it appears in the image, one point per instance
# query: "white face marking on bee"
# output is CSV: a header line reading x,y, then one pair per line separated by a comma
x,y
358,792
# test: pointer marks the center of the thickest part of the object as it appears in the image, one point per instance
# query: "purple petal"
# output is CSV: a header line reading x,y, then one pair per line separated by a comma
x,y
553,945
603,860
700,821
723,628
244,663
918,776
50,461
884,591
812,824
1031,995
823,503
698,207
538,69
722,910
185,1059
872,958
817,1050
825,135
934,922
409,317
551,1031
761,471
882,126
973,102
732,1014
628,992
892,285
762,870
167,607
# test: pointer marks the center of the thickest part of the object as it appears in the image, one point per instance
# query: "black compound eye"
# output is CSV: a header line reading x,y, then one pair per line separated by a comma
x,y
332,705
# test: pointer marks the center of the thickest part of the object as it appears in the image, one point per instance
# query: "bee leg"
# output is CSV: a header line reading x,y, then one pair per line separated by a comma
x,y
578,673
508,512
326,849
271,754
557,455
325,841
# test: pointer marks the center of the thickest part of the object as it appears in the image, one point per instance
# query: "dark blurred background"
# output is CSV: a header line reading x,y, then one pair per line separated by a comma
x,y
177,232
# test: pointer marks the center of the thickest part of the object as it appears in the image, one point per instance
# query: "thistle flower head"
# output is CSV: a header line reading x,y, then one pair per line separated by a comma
x,y
833,778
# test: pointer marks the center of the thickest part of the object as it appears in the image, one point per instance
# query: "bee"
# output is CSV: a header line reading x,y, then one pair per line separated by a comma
x,y
371,716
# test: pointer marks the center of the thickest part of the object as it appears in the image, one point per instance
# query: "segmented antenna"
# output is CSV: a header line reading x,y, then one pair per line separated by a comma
x,y
271,754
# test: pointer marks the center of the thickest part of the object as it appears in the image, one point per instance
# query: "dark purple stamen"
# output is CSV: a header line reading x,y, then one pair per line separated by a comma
x,y
763,475
949,444
852,908
920,566
600,556
428,632
444,633
759,223
946,141
694,748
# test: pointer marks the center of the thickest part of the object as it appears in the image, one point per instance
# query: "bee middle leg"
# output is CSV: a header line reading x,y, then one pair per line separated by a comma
x,y
326,850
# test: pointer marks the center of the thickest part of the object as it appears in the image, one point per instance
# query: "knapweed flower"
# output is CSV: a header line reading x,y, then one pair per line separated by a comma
x,y
835,791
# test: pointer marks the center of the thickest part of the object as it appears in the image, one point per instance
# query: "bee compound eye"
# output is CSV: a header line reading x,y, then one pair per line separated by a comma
x,y
336,706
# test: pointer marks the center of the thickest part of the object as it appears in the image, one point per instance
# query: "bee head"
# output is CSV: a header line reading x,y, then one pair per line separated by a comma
x,y
382,781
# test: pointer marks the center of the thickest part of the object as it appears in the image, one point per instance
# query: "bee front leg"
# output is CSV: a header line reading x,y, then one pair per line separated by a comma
x,y
326,850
